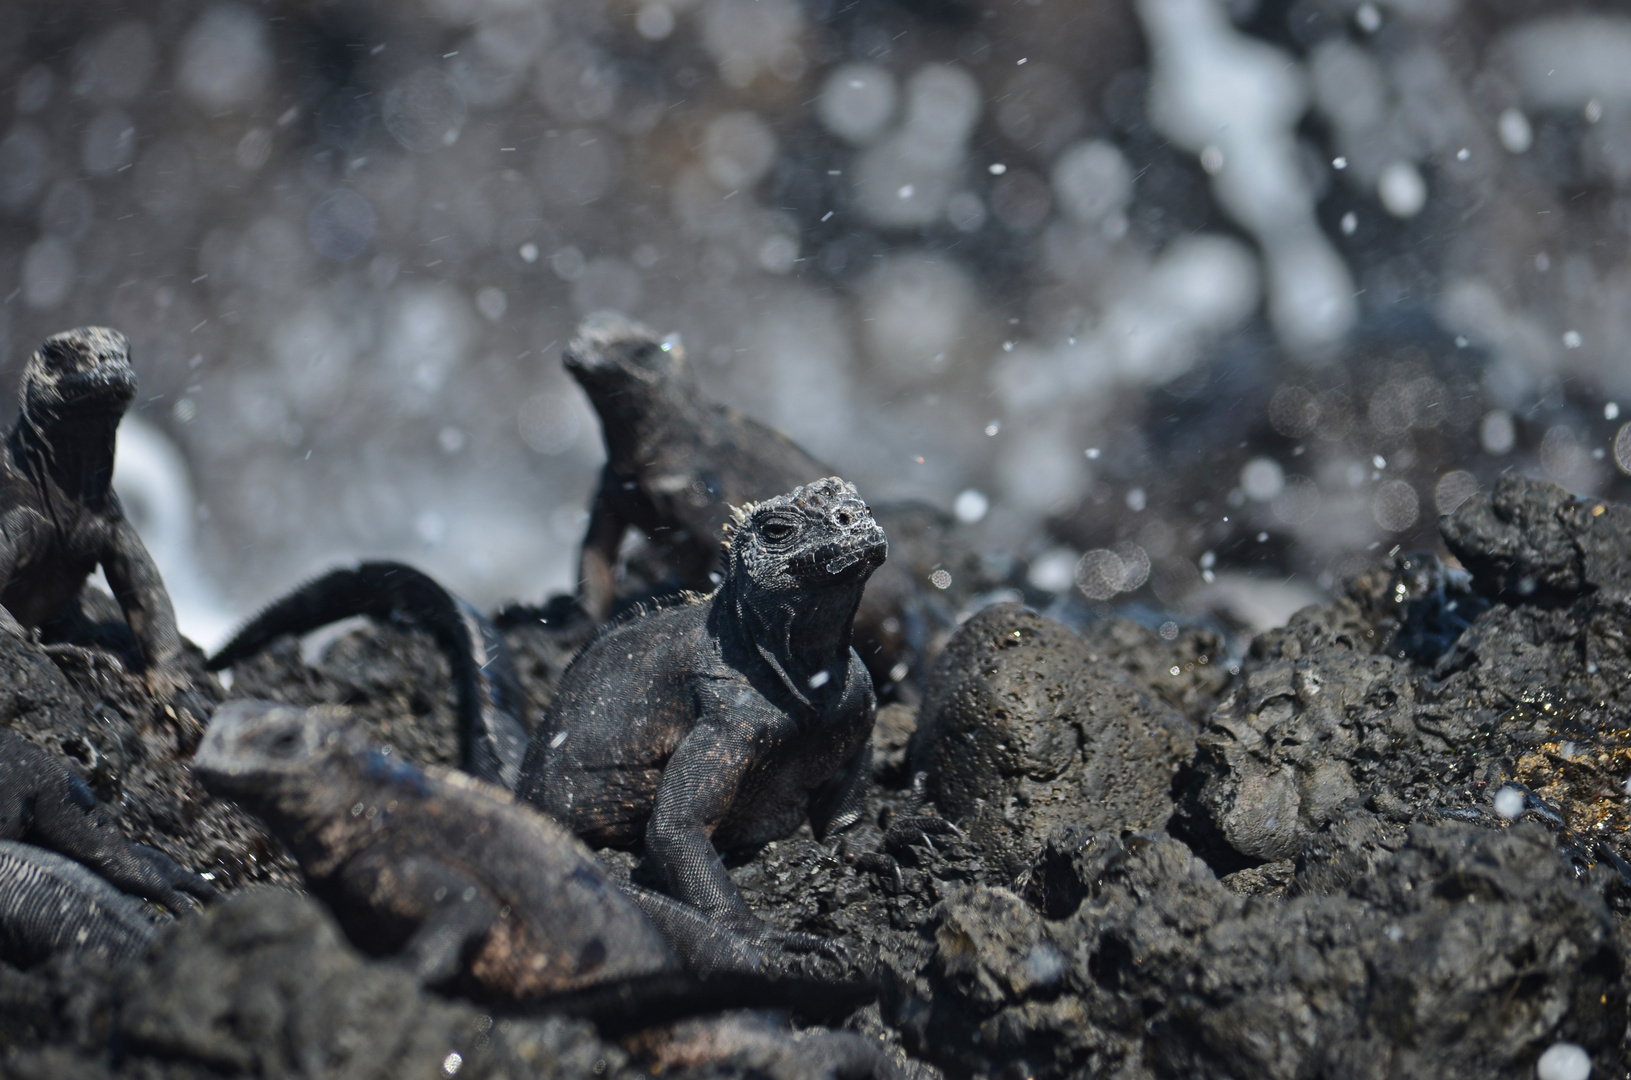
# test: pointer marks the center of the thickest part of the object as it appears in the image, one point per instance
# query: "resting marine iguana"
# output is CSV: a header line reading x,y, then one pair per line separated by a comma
x,y
491,734
725,720
50,905
428,864
59,516
43,803
675,465
471,890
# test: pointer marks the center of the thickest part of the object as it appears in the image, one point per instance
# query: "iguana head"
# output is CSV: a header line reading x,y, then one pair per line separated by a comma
x,y
817,537
80,372
623,366
294,766
795,567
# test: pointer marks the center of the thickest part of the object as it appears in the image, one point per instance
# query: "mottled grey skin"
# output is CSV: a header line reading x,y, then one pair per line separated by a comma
x,y
59,516
492,735
433,866
724,721
51,905
43,803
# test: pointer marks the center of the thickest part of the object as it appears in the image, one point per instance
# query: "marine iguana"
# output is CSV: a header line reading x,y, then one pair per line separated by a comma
x,y
725,720
491,704
45,804
430,865
474,892
59,516
675,465
50,904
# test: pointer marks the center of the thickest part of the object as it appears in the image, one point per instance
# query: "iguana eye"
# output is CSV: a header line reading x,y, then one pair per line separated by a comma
x,y
777,531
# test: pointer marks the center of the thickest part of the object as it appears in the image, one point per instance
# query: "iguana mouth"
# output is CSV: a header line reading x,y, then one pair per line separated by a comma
x,y
111,386
836,559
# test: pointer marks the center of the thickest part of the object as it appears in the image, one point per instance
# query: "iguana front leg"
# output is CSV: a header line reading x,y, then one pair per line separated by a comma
x,y
699,784
597,564
139,588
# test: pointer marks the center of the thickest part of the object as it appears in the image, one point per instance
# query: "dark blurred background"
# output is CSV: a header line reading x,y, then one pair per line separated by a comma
x,y
1179,303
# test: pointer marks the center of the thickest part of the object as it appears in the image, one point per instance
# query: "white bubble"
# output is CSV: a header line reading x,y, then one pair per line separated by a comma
x,y
1297,502
424,111
24,162
1402,190
1611,411
48,273
856,101
1453,489
114,65
549,423
1262,479
109,142
738,149
1092,180
491,302
341,224
654,22
1395,506
225,58
1100,574
1563,1061
1497,432
1571,339
1053,571
1136,499
747,37
942,107
1514,132
971,506
965,211
940,579
528,252
67,210
1509,802
914,312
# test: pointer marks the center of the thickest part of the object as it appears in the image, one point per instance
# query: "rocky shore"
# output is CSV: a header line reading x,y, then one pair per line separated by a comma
x,y
1387,841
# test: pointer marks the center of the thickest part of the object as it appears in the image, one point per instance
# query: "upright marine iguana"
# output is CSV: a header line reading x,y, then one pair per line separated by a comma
x,y
725,720
677,462
59,516
45,804
471,890
491,704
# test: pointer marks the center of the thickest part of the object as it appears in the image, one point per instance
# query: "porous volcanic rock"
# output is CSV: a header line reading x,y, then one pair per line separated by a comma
x,y
1024,726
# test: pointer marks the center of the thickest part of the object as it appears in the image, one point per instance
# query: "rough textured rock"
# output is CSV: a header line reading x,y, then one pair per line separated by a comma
x,y
1024,726
1370,701
1467,954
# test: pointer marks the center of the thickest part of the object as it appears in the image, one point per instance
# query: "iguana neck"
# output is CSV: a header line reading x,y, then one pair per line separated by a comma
x,y
799,636
69,452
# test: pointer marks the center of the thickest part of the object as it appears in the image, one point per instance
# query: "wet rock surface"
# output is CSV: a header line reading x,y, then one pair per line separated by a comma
x,y
1393,844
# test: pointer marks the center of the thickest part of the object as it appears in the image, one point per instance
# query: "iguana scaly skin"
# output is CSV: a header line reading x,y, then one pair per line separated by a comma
x,y
724,721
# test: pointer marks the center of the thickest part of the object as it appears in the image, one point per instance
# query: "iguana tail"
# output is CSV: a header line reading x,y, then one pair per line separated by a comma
x,y
491,735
